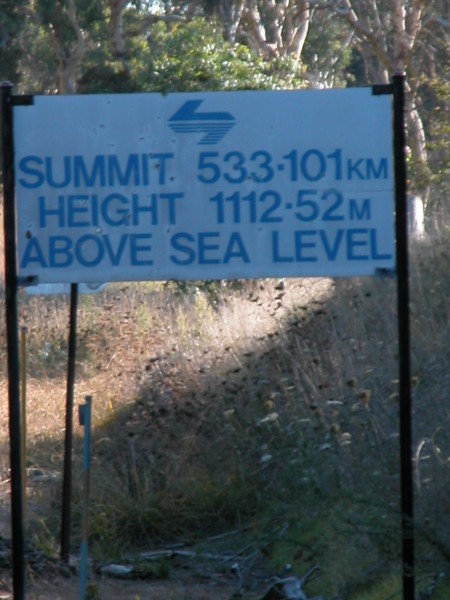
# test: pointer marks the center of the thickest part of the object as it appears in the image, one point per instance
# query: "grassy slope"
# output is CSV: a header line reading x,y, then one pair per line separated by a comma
x,y
269,411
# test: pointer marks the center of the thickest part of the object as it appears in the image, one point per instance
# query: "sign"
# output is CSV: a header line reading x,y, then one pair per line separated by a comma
x,y
204,186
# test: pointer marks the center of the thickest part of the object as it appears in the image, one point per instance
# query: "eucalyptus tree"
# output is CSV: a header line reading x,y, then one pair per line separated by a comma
x,y
115,27
273,29
174,56
54,38
400,36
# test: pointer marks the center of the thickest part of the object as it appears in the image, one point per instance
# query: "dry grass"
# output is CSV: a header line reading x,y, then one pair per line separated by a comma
x,y
269,409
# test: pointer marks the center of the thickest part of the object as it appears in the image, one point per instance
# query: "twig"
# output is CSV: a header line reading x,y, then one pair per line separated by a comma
x,y
158,554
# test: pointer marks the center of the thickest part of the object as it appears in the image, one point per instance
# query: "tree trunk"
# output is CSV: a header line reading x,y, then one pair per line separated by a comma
x,y
230,12
284,28
371,32
69,55
115,27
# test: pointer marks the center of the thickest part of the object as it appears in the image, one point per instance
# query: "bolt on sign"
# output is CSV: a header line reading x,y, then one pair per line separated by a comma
x,y
204,186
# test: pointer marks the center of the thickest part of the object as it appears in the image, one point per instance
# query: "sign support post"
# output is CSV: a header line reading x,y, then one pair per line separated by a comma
x,y
85,421
12,334
406,467
68,440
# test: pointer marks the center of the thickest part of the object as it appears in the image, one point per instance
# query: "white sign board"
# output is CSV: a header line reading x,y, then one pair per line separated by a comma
x,y
204,186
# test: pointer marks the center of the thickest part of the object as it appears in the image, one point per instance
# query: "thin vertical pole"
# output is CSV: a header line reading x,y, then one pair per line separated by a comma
x,y
85,421
12,334
406,450
23,412
68,440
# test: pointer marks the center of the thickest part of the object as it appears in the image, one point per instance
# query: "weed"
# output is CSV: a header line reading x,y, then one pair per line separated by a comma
x,y
92,593
44,540
265,408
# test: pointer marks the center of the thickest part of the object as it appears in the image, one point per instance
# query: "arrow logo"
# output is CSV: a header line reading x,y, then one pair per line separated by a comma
x,y
213,124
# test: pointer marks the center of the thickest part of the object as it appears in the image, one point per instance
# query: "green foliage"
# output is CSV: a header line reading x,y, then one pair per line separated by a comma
x,y
38,64
92,592
387,587
45,37
190,56
439,135
55,13
11,24
186,58
44,540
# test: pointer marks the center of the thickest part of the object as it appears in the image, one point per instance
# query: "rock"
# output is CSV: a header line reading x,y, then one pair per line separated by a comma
x,y
114,570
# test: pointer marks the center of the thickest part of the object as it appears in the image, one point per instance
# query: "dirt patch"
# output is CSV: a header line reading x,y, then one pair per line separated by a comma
x,y
60,588
51,579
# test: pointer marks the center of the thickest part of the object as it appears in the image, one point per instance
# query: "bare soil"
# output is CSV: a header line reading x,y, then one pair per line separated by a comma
x,y
60,588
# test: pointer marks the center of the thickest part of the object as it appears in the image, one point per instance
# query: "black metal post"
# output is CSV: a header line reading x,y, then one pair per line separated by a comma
x,y
68,441
85,421
406,450
12,334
